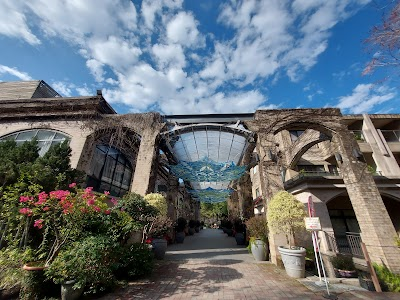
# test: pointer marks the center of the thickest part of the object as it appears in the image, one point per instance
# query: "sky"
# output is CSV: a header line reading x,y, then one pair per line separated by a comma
x,y
199,57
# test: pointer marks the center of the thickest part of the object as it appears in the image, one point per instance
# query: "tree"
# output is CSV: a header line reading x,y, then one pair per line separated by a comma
x,y
213,210
384,41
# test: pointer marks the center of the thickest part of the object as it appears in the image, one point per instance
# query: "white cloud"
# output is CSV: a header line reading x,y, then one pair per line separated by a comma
x,y
13,22
156,55
14,72
115,52
84,91
182,29
169,55
365,97
63,88
96,69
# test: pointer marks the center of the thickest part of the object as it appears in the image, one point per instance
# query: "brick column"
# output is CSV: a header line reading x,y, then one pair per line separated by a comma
x,y
146,167
377,230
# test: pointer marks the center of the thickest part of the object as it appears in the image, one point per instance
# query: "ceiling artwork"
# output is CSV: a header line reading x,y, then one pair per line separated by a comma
x,y
208,157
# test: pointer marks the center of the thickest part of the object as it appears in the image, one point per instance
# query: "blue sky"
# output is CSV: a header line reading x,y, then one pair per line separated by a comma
x,y
209,56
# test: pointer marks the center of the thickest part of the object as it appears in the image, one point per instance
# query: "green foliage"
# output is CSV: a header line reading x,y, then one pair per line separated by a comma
x,y
158,201
90,261
135,261
389,281
343,262
180,224
135,205
53,170
397,241
11,262
213,210
257,227
285,214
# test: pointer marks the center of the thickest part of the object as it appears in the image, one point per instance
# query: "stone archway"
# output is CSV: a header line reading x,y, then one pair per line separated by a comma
x,y
275,155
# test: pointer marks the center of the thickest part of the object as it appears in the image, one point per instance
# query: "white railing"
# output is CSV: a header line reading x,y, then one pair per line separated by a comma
x,y
345,242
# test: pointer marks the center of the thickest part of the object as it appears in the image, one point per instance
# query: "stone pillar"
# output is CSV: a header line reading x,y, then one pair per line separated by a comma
x,y
377,230
271,183
245,197
172,196
146,164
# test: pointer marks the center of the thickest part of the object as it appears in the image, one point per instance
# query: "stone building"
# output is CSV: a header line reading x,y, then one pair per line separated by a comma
x,y
347,165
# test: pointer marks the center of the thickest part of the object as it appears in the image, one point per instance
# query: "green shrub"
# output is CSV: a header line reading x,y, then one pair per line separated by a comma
x,y
343,262
11,262
389,281
135,261
257,227
89,262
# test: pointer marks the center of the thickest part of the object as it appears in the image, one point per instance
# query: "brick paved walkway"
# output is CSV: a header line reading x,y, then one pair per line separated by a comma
x,y
211,275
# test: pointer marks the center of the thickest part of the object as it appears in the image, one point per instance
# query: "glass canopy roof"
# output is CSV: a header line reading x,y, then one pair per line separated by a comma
x,y
208,157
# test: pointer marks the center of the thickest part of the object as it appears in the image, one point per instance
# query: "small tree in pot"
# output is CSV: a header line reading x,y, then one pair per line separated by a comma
x,y
286,215
258,231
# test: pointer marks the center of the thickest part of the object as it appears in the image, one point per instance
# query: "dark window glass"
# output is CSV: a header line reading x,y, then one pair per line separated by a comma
x,y
110,171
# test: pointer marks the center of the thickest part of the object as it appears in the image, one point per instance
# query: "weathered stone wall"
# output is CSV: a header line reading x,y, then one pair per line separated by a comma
x,y
376,226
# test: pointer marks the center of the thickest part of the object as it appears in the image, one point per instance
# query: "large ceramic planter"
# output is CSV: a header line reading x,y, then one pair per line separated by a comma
x,y
191,230
180,237
68,292
197,229
294,261
240,240
159,248
259,249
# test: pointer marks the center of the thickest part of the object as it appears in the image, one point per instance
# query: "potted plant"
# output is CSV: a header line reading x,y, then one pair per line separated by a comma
x,y
192,225
240,232
343,266
180,229
286,215
197,226
87,262
258,231
155,231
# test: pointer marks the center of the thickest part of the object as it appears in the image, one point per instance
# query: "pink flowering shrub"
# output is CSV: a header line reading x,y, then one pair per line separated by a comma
x,y
62,214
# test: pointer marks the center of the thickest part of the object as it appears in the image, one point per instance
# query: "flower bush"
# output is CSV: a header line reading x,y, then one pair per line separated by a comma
x,y
60,215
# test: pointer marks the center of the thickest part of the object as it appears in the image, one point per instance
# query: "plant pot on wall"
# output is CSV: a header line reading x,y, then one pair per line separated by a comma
x,y
294,261
259,249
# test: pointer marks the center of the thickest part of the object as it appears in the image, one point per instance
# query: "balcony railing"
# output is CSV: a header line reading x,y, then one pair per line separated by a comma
x,y
346,243
391,135
312,174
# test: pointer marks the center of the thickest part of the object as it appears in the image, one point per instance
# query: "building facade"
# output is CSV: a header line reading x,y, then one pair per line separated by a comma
x,y
348,165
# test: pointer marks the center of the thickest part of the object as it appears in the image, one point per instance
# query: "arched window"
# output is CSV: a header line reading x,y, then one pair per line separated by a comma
x,y
45,138
110,171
